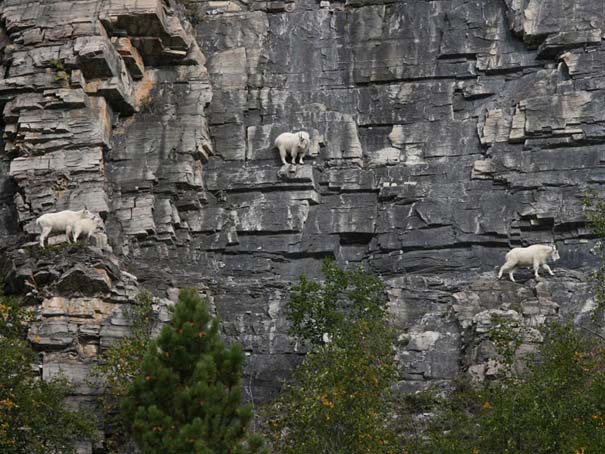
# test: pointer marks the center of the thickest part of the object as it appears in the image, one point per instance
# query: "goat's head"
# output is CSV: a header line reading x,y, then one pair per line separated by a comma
x,y
554,253
85,213
303,139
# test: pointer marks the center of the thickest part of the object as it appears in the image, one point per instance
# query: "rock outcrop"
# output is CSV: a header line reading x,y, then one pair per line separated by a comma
x,y
442,134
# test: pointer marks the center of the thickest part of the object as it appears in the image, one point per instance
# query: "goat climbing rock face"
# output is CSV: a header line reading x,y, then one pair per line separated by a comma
x,y
60,222
535,255
293,143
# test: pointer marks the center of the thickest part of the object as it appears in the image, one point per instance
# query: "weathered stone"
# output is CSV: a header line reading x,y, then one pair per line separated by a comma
x,y
442,134
84,280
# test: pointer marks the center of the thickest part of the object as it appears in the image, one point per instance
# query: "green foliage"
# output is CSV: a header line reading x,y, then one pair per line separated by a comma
x,y
507,337
33,415
187,397
332,307
559,407
119,365
57,65
339,398
59,69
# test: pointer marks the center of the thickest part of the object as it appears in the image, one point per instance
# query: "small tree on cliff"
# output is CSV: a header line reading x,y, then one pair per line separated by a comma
x,y
187,398
34,417
339,398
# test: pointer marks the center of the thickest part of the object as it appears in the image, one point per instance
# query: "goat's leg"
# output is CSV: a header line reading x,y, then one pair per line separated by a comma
x,y
503,268
77,232
508,267
547,268
282,154
45,232
536,268
68,233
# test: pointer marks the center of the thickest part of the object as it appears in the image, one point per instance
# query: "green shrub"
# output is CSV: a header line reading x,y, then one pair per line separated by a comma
x,y
332,307
33,415
187,396
559,407
339,398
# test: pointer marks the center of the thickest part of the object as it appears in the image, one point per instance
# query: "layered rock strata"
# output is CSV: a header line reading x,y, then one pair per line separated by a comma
x,y
80,81
443,133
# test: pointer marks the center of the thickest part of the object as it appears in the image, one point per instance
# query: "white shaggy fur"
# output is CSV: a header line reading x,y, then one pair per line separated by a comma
x,y
86,226
535,255
293,143
59,222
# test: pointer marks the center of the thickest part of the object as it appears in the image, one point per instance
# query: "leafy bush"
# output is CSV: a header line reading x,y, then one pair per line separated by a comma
x,y
33,415
59,69
329,309
339,398
559,407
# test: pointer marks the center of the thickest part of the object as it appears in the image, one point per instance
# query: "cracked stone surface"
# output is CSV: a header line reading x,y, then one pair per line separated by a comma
x,y
442,134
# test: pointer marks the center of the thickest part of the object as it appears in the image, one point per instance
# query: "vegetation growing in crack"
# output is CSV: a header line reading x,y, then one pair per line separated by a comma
x,y
59,70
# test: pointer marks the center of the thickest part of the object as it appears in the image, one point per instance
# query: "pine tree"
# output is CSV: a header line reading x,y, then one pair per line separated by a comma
x,y
188,396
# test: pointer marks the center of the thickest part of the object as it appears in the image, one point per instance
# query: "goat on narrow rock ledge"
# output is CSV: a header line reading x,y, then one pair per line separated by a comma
x,y
60,222
293,143
536,255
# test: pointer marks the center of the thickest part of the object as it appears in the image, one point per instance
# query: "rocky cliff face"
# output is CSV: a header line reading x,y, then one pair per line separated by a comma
x,y
442,133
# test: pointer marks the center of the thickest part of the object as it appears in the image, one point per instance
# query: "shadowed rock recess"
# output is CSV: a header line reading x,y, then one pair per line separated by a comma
x,y
442,134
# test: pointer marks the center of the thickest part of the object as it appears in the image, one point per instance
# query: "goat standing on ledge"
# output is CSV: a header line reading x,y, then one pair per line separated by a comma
x,y
60,222
536,255
293,144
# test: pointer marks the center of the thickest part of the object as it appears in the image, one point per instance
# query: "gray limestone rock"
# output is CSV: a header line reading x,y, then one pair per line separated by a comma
x,y
443,134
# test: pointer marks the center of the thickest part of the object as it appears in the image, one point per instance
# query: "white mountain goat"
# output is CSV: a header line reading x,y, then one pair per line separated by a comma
x,y
535,255
293,143
86,226
59,222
